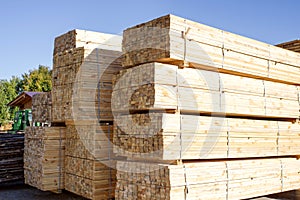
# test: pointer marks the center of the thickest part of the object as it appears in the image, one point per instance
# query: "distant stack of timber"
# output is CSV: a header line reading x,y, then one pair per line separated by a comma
x,y
293,45
41,108
11,157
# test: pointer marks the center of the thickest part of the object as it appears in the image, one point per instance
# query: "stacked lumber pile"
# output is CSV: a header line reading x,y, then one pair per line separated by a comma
x,y
164,136
291,45
41,108
158,86
44,157
221,180
188,93
88,161
11,157
84,63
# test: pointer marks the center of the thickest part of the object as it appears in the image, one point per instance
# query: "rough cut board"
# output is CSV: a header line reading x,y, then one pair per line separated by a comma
x,y
206,180
11,157
160,86
172,39
89,167
41,108
82,90
174,137
44,157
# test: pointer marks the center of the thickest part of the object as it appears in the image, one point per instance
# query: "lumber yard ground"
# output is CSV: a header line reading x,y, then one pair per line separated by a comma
x,y
19,191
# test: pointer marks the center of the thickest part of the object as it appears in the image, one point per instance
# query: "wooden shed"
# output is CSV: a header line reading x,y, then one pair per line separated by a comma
x,y
23,101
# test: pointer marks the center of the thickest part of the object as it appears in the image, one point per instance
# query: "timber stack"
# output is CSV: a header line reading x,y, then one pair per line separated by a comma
x,y
11,157
44,157
204,114
84,63
41,108
44,148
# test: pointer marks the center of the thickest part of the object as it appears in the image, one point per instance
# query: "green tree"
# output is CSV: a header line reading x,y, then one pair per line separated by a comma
x,y
8,91
38,80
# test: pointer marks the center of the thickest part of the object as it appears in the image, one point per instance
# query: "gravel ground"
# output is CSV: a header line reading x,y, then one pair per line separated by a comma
x,y
25,192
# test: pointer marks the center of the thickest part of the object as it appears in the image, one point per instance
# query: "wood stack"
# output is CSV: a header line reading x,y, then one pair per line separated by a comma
x,y
171,39
89,166
43,157
206,180
41,108
247,93
158,86
11,157
84,63
173,137
291,45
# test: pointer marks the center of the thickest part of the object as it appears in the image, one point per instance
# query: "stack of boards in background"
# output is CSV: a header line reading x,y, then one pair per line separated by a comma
x,y
84,63
188,93
292,45
44,148
41,109
11,157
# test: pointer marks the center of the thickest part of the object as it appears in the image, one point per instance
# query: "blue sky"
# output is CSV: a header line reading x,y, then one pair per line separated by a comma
x,y
28,28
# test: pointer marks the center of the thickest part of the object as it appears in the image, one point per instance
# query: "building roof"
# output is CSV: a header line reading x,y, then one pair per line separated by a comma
x,y
22,98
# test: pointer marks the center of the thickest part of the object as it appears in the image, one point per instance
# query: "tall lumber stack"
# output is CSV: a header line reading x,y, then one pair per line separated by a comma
x,y
83,65
189,93
44,157
11,157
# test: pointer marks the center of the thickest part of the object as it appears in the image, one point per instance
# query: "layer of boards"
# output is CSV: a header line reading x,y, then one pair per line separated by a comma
x,y
41,108
161,136
221,180
11,157
157,86
44,157
291,45
89,166
83,65
180,41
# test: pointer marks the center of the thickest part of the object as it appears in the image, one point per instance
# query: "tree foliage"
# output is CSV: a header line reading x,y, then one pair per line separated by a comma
x,y
37,80
8,91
